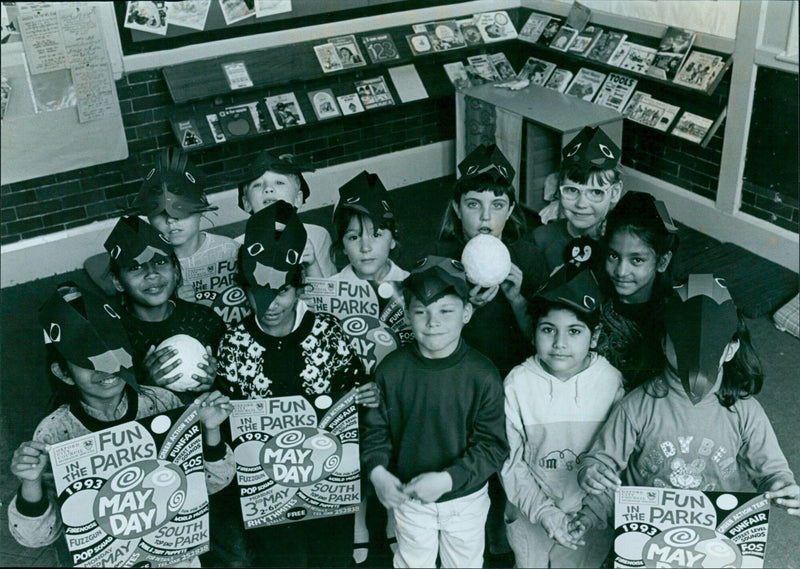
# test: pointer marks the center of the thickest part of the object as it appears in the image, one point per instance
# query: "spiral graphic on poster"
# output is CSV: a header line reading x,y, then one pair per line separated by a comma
x,y
681,537
176,501
289,439
127,478
716,548
164,477
321,443
355,326
383,338
331,463
233,296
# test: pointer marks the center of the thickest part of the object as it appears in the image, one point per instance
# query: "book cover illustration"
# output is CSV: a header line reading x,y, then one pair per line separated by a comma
x,y
324,104
585,40
348,51
639,58
237,122
444,36
559,80
495,26
420,44
374,93
237,10
502,65
537,71
457,74
616,91
258,113
216,127
148,17
699,70
550,31
285,111
483,68
188,14
380,47
187,133
606,46
328,57
619,55
672,50
470,31
651,112
296,458
692,127
586,84
534,27
350,104
134,494
563,38
665,527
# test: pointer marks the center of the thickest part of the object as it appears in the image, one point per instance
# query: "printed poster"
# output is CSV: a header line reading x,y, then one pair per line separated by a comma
x,y
214,284
371,314
188,13
296,459
134,494
664,527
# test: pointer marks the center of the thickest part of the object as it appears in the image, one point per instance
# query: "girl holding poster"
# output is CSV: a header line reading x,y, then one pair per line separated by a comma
x,y
89,352
696,425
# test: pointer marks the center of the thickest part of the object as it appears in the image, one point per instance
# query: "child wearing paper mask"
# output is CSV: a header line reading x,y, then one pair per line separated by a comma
x,y
703,394
89,352
589,186
273,178
284,349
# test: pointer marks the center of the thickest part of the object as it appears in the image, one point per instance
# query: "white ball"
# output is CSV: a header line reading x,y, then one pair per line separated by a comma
x,y
190,352
486,260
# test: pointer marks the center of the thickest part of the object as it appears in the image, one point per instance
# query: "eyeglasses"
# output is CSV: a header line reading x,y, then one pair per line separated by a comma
x,y
571,193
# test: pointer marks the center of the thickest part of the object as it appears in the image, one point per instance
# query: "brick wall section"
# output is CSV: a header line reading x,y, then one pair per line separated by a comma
x,y
62,201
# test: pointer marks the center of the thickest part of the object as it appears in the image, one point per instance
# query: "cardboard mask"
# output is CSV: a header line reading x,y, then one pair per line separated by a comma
x,y
642,208
487,160
135,241
592,148
174,185
95,341
432,277
700,320
365,194
574,283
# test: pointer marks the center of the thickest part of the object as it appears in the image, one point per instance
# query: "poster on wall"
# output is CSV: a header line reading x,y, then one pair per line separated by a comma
x,y
296,459
372,315
188,13
148,17
272,7
134,494
236,10
664,527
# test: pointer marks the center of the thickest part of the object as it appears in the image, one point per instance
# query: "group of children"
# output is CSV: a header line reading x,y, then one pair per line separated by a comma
x,y
510,418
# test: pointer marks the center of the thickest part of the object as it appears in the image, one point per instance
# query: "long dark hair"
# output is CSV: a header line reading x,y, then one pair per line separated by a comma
x,y
451,228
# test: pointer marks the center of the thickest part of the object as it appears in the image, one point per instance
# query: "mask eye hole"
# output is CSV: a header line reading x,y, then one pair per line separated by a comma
x,y
116,252
574,150
55,332
292,257
457,265
606,151
421,263
111,312
589,302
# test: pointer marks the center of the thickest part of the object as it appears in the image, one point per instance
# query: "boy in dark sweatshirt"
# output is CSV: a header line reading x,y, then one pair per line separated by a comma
x,y
439,433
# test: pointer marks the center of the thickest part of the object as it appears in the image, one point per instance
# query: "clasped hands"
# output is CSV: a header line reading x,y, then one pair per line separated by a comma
x,y
426,487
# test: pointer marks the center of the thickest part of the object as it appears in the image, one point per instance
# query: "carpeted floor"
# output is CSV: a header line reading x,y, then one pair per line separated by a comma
x,y
757,285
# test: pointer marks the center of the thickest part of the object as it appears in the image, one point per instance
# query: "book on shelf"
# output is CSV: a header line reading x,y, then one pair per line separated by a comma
x,y
699,70
348,51
563,38
559,80
483,67
534,27
285,110
420,43
457,74
692,127
470,31
374,92
606,45
586,84
324,104
187,133
328,57
350,104
616,91
672,50
550,30
639,58
651,112
578,16
216,127
585,40
380,47
502,65
495,26
619,55
444,35
536,70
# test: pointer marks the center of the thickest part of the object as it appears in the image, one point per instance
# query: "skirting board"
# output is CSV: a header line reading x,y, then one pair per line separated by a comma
x,y
64,251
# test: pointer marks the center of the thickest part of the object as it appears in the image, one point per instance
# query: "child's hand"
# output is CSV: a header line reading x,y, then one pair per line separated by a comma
x,y
29,461
512,286
388,487
309,261
556,524
154,361
578,524
209,369
598,478
367,395
214,409
429,486
480,296
785,495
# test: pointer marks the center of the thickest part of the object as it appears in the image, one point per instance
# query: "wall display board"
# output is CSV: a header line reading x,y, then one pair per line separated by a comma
x,y
201,21
58,87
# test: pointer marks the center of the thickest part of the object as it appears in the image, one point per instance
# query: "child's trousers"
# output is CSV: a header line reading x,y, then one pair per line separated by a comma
x,y
454,530
533,548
